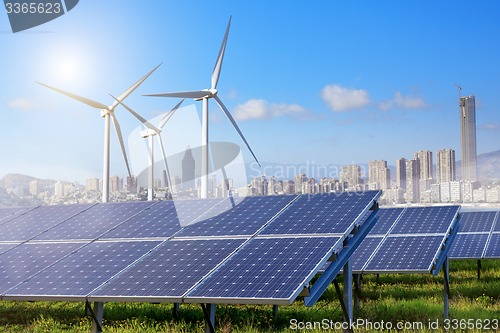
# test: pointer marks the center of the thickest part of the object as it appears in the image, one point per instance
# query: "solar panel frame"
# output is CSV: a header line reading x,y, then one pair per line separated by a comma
x,y
200,294
135,275
492,250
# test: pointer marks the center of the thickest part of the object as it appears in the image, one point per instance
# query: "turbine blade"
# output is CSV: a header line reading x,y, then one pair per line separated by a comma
x,y
132,88
84,100
230,117
138,116
183,94
120,139
169,115
220,58
165,163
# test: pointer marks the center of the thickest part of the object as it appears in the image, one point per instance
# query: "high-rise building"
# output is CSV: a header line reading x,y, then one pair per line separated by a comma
x,y
299,180
401,173
188,169
92,184
379,175
445,165
131,184
426,166
413,180
115,184
351,175
34,187
468,137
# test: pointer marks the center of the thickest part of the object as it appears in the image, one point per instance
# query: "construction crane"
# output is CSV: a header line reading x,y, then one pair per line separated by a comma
x,y
460,99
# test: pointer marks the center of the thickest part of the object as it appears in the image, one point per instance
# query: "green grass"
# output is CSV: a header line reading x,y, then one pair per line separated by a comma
x,y
391,298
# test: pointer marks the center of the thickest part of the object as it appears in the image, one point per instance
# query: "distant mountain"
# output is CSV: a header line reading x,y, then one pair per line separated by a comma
x,y
488,166
14,180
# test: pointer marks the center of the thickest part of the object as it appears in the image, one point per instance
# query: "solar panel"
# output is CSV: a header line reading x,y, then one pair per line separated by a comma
x,y
322,214
468,246
493,248
247,217
425,220
95,221
27,259
84,270
157,221
476,221
496,226
169,271
10,212
386,219
4,247
364,252
38,220
266,269
189,211
405,254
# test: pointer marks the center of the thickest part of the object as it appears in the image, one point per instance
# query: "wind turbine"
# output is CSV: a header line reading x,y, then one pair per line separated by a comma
x,y
108,113
205,95
149,133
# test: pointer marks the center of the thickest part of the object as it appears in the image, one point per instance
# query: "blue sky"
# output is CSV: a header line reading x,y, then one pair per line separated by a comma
x,y
324,81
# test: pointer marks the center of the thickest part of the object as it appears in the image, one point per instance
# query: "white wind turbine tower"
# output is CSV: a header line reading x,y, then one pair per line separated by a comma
x,y
205,95
149,133
107,112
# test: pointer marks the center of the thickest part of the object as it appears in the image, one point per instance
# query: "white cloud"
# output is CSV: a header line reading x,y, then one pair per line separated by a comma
x,y
340,98
261,109
491,127
402,102
20,103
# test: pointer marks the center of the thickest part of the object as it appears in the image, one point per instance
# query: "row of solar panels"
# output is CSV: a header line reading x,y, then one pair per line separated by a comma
x,y
479,236
254,250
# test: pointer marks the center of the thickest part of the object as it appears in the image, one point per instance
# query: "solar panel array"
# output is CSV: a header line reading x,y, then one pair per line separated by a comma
x,y
479,236
246,250
406,240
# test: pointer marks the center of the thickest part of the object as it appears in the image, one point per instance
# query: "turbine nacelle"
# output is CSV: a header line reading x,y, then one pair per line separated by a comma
x,y
149,132
210,93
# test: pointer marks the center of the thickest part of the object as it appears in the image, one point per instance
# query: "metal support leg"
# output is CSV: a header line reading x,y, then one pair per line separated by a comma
x,y
479,269
97,314
176,311
357,291
348,292
446,288
209,313
275,311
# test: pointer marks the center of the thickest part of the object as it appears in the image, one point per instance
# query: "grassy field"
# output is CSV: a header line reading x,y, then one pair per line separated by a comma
x,y
404,299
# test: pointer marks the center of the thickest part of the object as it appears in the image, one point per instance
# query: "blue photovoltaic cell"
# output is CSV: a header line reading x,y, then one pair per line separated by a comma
x,y
364,251
189,211
4,247
95,221
408,253
27,259
270,268
476,221
425,220
497,223
171,270
493,249
468,246
159,220
8,213
322,214
38,220
386,218
247,217
84,270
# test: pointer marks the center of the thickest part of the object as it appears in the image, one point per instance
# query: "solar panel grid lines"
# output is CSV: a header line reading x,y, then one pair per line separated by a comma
x,y
255,271
37,221
77,274
364,254
97,220
168,272
245,219
496,222
24,261
492,249
477,221
8,213
190,211
416,220
333,213
387,220
409,254
476,245
158,221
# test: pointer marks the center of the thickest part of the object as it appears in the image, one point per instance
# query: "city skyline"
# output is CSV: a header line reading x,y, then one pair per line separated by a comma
x,y
329,83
